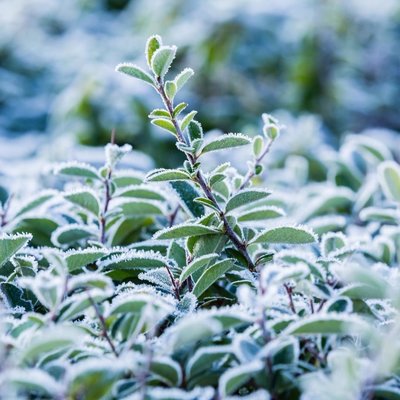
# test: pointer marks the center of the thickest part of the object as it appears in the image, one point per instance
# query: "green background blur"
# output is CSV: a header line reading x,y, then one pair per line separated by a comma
x,y
337,59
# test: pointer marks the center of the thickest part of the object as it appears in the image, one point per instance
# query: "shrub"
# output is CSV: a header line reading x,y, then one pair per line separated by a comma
x,y
198,282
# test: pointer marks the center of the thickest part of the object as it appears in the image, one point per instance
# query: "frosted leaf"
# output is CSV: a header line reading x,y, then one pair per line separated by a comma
x,y
115,153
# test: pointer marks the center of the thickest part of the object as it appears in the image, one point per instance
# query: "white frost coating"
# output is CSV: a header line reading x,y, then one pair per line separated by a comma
x,y
134,254
158,276
88,250
15,236
114,153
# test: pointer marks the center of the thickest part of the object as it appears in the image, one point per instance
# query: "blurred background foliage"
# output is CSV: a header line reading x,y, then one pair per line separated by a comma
x,y
337,59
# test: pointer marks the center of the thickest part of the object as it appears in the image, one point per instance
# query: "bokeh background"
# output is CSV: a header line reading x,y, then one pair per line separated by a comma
x,y
336,61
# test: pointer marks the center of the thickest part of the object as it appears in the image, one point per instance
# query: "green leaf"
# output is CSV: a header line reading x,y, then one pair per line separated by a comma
x,y
127,178
85,199
140,192
70,234
162,60
141,207
211,275
187,193
170,89
204,358
10,244
53,339
187,119
75,305
329,324
134,259
179,108
246,197
261,213
158,112
77,169
164,124
135,71
195,130
32,380
153,43
40,228
389,179
161,175
167,370
76,259
36,202
183,77
234,378
207,203
184,230
197,264
286,235
94,378
386,392
225,142
13,296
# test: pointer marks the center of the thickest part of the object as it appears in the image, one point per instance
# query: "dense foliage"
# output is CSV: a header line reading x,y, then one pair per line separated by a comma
x,y
198,282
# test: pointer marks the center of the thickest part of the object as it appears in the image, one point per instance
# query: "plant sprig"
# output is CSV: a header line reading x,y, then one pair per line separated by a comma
x,y
188,132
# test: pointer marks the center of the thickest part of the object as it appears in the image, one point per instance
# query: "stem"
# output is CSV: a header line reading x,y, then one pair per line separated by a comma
x,y
312,306
175,286
104,332
289,291
251,172
107,199
321,304
173,216
234,238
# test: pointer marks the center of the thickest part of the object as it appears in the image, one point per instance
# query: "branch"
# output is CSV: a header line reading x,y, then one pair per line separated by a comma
x,y
175,286
238,243
289,292
103,324
251,172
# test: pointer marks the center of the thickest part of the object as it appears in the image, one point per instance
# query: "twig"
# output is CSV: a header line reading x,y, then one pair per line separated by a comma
x,y
173,216
238,243
321,304
175,286
251,172
107,197
289,292
104,332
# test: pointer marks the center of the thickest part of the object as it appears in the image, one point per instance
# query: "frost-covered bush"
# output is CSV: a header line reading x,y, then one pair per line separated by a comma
x,y
199,282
